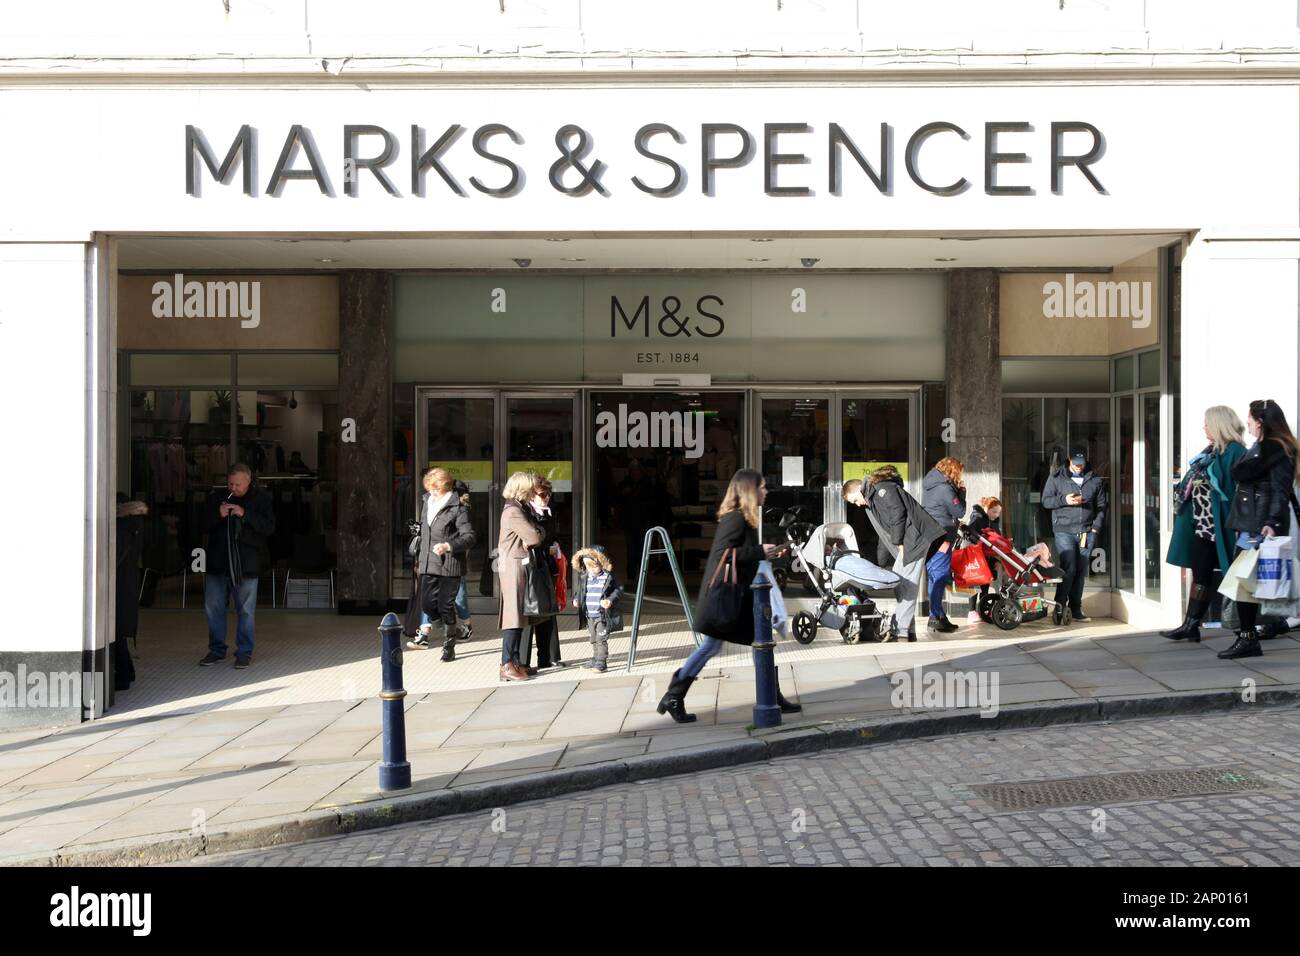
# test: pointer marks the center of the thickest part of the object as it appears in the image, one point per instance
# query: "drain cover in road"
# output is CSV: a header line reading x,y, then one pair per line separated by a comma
x,y
1117,787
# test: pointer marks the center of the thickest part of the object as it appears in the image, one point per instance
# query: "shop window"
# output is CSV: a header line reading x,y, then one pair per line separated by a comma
x,y
1124,373
1037,435
180,369
1055,375
934,400
1149,369
406,474
278,369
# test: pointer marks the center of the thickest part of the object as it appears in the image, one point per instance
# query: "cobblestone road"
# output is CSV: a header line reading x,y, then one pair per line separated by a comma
x,y
907,803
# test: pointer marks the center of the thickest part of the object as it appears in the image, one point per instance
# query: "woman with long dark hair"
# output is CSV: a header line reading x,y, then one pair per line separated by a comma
x,y
1266,476
1201,540
738,518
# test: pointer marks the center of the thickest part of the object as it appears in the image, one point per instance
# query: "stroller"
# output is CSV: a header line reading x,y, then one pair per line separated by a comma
x,y
845,603
1018,594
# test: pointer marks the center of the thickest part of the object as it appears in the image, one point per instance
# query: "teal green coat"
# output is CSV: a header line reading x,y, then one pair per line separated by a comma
x,y
1222,488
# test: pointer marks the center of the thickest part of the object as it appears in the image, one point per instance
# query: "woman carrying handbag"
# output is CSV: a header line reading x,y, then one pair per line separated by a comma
x,y
725,607
1201,540
1265,477
518,545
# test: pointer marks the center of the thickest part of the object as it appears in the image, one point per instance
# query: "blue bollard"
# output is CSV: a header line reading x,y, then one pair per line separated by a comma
x,y
766,711
394,771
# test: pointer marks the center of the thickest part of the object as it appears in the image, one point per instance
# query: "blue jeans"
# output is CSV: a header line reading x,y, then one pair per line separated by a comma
x,y
218,591
462,605
1074,562
938,572
701,656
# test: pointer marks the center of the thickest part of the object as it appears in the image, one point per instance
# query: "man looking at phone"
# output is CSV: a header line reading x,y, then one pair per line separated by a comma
x,y
1077,499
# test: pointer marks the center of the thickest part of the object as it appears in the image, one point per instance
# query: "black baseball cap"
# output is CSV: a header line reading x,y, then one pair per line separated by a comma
x,y
1078,455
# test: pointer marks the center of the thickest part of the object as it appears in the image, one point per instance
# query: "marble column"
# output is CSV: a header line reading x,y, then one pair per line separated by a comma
x,y
365,465
974,377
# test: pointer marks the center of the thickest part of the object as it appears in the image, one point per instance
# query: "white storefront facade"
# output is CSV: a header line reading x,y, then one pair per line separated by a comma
x,y
992,248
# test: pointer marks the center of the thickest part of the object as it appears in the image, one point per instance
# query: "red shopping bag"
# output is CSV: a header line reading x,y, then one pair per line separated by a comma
x,y
561,581
969,567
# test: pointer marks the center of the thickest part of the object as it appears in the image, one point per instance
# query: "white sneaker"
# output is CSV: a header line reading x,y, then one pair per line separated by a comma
x,y
973,617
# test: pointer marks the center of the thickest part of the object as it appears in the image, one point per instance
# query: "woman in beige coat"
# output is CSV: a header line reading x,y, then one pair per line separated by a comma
x,y
519,532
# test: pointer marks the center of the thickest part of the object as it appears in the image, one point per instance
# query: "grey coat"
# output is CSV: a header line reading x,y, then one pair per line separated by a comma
x,y
450,525
518,533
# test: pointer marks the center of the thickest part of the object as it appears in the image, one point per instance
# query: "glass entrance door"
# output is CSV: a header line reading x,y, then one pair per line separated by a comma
x,y
482,437
458,431
662,458
538,432
810,443
794,447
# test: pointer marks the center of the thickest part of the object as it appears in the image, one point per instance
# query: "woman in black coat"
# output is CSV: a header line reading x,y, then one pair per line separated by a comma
x,y
446,536
546,632
738,519
1266,476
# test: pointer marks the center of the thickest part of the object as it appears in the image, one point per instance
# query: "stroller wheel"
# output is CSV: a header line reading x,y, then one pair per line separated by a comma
x,y
1067,616
986,610
1007,614
804,627
870,631
782,578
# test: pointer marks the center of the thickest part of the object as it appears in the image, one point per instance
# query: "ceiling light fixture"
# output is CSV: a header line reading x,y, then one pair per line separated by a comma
x,y
556,240
947,259
574,259
327,260
523,263
809,263
760,240
754,259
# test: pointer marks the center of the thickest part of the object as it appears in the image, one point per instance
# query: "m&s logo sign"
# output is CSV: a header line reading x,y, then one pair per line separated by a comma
x,y
671,318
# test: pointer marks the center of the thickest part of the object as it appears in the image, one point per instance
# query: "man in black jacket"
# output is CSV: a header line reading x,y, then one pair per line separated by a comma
x,y
239,522
906,533
1077,499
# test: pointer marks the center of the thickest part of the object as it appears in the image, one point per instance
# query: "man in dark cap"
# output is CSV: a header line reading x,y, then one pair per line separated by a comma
x,y
1077,499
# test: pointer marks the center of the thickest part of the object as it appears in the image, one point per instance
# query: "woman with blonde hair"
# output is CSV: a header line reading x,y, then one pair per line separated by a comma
x,y
520,533
943,495
738,520
1200,540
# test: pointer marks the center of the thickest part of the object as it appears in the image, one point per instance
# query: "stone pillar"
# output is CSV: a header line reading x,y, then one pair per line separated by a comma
x,y
365,465
974,376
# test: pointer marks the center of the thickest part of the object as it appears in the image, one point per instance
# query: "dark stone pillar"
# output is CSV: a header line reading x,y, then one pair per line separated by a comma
x,y
974,375
365,465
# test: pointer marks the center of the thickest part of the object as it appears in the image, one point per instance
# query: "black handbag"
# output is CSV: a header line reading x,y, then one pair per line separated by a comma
x,y
719,612
539,585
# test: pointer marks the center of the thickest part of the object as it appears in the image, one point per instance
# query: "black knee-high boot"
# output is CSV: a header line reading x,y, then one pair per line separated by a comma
x,y
673,703
1190,629
785,705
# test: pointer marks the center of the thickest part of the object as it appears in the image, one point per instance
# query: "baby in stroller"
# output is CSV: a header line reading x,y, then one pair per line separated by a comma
x,y
842,578
1017,593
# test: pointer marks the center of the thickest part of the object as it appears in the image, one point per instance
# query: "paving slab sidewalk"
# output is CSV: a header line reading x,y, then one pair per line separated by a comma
x,y
170,785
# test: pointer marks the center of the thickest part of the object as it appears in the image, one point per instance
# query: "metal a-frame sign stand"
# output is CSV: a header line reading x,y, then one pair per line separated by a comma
x,y
646,553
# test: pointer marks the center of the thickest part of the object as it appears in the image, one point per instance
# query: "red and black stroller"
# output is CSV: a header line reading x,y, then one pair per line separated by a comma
x,y
1018,593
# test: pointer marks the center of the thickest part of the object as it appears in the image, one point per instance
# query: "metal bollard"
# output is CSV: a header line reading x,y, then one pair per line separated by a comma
x,y
766,711
394,771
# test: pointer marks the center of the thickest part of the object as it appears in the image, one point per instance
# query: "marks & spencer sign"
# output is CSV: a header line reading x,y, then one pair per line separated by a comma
x,y
1012,157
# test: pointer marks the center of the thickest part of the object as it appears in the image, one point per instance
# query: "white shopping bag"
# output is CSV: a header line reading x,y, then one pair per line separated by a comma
x,y
1273,574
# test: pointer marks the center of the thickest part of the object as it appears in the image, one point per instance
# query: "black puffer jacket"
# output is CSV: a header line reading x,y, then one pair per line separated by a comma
x,y
1265,478
900,520
1076,519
